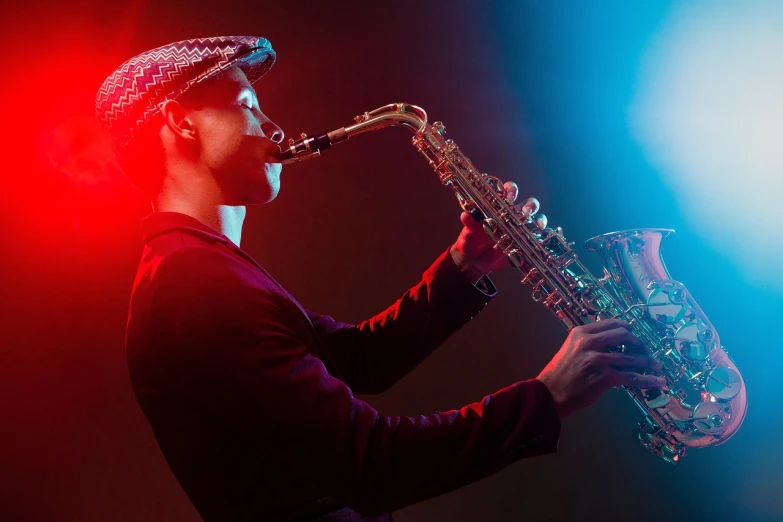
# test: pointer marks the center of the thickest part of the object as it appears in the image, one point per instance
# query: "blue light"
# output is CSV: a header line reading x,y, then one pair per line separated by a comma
x,y
708,113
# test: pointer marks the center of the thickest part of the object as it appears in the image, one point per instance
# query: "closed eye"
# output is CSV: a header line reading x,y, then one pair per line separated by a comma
x,y
246,101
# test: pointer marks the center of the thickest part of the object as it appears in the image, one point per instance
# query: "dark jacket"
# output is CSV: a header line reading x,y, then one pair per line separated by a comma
x,y
251,397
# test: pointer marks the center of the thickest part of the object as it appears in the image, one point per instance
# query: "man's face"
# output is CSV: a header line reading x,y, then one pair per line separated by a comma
x,y
237,142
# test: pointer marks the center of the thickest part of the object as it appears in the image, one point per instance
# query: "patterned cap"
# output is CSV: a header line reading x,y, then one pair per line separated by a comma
x,y
133,94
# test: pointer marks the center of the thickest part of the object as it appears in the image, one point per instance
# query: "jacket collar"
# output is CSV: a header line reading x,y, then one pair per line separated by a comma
x,y
159,223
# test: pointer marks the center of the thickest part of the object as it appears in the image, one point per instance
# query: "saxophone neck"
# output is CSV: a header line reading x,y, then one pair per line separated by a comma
x,y
392,115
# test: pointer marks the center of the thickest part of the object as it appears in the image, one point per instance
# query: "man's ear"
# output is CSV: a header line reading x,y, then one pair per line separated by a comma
x,y
176,119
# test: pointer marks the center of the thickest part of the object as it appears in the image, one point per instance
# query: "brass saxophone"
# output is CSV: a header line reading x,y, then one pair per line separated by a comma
x,y
704,400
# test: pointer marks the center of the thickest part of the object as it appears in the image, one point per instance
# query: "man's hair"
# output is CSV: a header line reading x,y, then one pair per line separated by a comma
x,y
143,160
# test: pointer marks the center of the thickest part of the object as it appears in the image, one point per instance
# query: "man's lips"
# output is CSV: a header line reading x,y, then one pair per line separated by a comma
x,y
273,155
261,146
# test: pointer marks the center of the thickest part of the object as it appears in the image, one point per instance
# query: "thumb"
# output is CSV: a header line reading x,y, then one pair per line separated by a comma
x,y
470,223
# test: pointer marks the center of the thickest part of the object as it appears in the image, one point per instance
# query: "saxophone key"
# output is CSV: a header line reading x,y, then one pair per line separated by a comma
x,y
553,299
723,383
541,222
530,275
655,398
476,213
537,294
490,227
515,258
711,417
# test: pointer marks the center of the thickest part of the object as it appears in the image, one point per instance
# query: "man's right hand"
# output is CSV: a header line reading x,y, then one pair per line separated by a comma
x,y
583,368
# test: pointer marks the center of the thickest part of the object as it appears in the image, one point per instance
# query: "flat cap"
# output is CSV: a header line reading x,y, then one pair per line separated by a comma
x,y
133,94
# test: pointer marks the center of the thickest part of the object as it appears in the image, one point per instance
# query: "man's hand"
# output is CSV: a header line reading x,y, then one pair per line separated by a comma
x,y
583,368
474,252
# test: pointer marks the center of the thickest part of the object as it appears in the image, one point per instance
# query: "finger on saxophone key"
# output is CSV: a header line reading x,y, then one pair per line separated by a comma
x,y
511,191
623,361
638,380
530,207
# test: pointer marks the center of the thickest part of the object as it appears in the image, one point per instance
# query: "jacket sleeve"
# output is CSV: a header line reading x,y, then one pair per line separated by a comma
x,y
375,354
251,371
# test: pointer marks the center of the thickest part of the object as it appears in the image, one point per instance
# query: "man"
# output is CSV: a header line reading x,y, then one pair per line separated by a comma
x,y
251,396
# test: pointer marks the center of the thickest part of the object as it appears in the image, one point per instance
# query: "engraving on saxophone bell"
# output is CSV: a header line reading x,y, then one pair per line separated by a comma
x,y
704,401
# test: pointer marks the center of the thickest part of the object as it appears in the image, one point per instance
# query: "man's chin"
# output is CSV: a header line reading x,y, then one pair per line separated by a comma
x,y
264,194
259,190
258,199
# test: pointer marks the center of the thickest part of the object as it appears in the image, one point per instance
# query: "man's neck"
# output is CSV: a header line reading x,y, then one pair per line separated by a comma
x,y
228,221
193,191
225,219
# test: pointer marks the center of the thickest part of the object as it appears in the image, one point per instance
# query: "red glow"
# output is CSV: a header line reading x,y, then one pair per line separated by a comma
x,y
59,168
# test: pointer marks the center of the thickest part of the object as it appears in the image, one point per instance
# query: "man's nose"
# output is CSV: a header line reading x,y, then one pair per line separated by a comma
x,y
272,131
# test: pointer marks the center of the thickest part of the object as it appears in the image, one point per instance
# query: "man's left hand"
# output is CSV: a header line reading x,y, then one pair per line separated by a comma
x,y
474,251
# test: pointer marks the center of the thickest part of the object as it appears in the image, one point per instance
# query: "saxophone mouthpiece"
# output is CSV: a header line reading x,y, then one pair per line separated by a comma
x,y
310,147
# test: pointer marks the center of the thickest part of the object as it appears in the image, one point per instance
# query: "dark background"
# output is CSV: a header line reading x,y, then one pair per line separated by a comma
x,y
532,91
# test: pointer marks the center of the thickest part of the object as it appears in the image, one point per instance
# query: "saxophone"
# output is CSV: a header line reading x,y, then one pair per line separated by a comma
x,y
704,400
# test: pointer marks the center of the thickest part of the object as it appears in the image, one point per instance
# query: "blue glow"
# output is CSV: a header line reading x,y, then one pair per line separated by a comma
x,y
708,113
669,114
